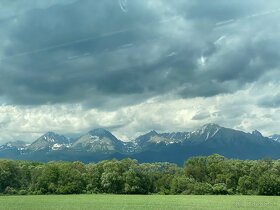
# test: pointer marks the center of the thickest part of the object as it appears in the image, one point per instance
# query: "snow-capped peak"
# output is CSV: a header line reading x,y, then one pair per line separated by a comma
x,y
208,130
50,140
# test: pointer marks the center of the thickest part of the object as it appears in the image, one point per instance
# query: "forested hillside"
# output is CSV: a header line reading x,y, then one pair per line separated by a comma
x,y
200,175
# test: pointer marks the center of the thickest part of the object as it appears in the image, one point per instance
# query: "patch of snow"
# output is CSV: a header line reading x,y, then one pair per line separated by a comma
x,y
57,146
51,140
208,133
217,130
275,138
94,139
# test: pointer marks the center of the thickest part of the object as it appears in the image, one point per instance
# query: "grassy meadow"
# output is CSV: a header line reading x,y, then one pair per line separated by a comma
x,y
135,202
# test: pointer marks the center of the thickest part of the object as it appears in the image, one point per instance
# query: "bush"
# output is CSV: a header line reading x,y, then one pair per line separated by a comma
x,y
182,184
10,191
199,188
220,189
22,192
246,185
269,184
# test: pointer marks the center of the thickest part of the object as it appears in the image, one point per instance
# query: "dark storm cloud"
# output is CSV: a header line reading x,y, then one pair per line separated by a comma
x,y
270,101
102,55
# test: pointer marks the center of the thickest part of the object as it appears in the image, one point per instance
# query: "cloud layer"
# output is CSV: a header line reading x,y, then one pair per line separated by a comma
x,y
109,56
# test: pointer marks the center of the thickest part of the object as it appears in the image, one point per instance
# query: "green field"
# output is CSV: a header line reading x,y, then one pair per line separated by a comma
x,y
134,202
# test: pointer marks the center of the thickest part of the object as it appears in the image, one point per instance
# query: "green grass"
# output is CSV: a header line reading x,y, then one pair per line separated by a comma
x,y
135,202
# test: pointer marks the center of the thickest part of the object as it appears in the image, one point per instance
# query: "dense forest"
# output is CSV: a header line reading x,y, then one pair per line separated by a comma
x,y
200,175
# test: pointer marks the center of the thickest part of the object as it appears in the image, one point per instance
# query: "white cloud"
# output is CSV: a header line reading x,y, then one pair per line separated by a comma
x,y
238,110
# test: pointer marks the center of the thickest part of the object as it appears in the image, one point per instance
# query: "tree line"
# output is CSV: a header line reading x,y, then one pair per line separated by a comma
x,y
214,174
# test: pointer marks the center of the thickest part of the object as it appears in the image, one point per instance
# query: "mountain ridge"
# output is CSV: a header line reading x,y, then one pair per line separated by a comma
x,y
101,144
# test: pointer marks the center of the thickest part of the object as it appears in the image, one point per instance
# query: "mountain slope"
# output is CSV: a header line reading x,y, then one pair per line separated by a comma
x,y
275,137
207,140
50,141
100,144
17,145
98,140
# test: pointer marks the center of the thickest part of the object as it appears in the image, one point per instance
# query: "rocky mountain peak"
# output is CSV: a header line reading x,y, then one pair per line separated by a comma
x,y
100,132
257,133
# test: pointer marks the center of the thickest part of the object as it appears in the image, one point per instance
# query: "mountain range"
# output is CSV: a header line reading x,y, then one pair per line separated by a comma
x,y
100,144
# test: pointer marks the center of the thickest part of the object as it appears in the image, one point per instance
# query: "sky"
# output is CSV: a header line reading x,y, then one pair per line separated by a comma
x,y
132,66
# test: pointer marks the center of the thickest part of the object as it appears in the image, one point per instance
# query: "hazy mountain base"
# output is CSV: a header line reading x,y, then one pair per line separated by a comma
x,y
173,154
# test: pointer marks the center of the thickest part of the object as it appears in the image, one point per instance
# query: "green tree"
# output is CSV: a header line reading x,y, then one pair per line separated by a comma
x,y
247,185
9,175
269,184
196,168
